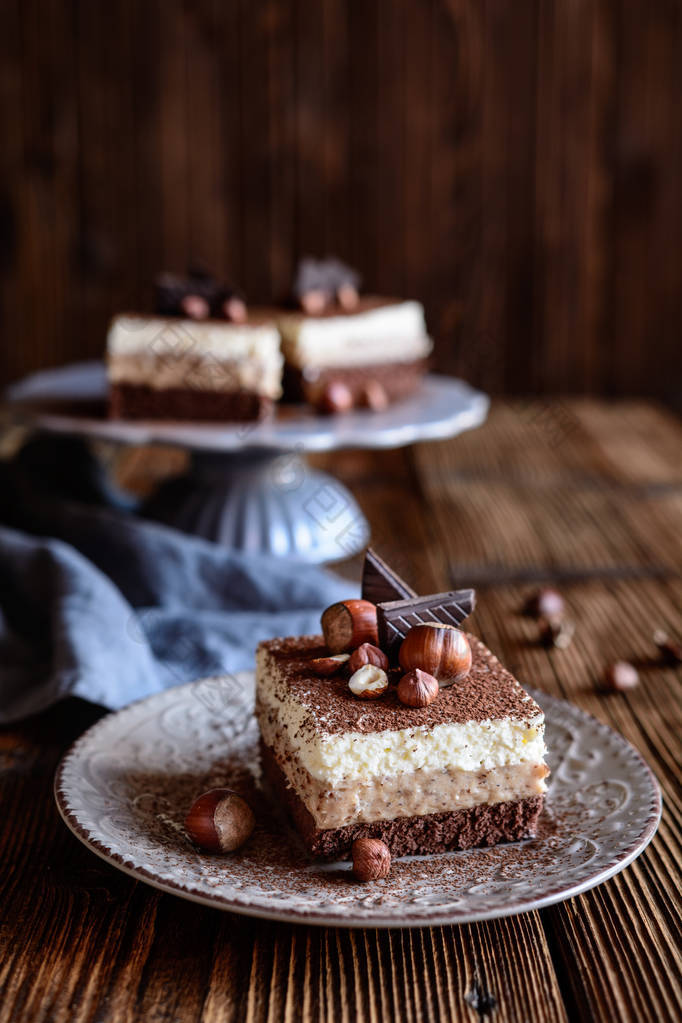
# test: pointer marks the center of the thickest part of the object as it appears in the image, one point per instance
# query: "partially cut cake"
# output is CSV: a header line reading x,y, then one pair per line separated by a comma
x,y
376,352
466,770
169,367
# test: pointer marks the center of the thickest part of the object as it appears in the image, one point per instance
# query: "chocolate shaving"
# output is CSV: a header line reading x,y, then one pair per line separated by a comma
x,y
381,583
395,618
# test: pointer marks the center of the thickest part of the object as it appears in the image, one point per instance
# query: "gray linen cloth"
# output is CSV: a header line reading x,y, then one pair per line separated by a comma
x,y
98,603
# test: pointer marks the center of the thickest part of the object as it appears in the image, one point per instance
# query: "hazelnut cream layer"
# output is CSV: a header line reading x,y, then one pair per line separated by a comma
x,y
379,331
485,722
212,355
419,792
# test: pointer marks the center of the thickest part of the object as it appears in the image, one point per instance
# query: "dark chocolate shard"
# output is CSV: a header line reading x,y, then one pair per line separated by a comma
x,y
396,617
381,583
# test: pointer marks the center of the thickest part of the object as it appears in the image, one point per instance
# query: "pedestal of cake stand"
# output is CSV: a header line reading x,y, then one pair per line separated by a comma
x,y
263,502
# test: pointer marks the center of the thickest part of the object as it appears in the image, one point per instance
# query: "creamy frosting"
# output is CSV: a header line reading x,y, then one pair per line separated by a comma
x,y
335,757
394,332
204,355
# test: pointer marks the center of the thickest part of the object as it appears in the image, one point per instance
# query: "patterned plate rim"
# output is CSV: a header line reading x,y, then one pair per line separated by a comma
x,y
637,845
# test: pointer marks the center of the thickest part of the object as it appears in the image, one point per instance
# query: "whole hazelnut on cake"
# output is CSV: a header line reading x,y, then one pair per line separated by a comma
x,y
220,821
440,650
348,624
367,653
417,688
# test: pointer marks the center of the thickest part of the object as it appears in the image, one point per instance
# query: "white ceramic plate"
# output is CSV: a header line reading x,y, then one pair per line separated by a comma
x,y
441,407
125,786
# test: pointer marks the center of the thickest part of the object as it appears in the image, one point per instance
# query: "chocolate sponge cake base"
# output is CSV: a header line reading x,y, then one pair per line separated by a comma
x,y
133,401
398,379
405,836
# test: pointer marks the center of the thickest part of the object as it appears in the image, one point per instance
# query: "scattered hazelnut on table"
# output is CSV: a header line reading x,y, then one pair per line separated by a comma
x,y
669,649
556,632
620,676
545,603
368,682
371,859
367,653
220,821
417,688
349,623
328,665
336,397
441,650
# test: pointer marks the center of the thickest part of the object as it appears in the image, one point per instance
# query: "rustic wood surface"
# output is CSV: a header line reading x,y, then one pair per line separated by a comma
x,y
516,165
586,495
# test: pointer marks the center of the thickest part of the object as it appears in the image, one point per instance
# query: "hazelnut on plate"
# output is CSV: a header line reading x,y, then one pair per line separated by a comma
x,y
371,859
220,821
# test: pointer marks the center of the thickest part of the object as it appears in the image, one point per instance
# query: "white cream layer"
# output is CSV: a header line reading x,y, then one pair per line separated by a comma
x,y
389,333
333,757
208,355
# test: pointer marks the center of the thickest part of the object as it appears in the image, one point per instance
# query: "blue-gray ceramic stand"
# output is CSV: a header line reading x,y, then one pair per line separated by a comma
x,y
249,486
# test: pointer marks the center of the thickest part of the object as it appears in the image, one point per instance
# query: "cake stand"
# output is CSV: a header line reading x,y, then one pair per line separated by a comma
x,y
248,485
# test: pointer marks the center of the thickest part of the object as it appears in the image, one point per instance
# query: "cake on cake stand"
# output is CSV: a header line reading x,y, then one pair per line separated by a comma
x,y
248,485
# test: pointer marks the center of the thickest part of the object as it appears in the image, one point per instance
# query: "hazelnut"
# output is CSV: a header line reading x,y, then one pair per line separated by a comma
x,y
220,821
314,302
371,859
347,297
195,307
374,396
545,603
367,653
441,650
621,675
368,682
328,665
349,623
556,632
669,649
336,397
234,309
417,688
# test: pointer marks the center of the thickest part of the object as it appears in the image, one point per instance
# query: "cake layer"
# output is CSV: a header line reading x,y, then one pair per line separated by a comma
x,y
398,379
130,401
485,721
377,331
209,355
428,833
403,795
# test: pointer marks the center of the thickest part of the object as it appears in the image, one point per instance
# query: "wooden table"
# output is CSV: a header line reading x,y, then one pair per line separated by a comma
x,y
586,495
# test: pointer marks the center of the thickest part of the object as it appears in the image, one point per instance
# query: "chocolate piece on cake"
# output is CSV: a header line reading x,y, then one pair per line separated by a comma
x,y
466,770
380,582
395,618
208,369
378,347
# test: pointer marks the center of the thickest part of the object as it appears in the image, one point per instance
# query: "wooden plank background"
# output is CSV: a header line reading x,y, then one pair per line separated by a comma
x,y
514,163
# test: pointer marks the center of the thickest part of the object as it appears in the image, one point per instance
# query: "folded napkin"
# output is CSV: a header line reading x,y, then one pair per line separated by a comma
x,y
98,603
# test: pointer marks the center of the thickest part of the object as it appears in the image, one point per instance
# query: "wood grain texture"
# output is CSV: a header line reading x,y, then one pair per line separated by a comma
x,y
514,165
585,494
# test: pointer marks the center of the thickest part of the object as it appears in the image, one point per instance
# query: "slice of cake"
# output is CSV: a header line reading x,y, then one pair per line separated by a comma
x,y
367,356
169,367
444,751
